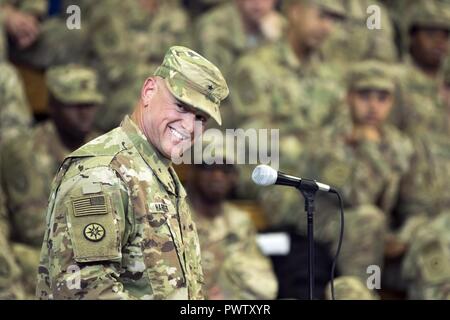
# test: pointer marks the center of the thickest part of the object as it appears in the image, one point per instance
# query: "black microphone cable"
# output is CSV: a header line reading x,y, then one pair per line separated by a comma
x,y
341,237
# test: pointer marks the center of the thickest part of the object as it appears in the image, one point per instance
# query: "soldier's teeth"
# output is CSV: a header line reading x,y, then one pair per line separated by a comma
x,y
177,134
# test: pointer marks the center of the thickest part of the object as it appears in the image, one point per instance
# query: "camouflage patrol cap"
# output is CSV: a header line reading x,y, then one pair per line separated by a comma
x,y
194,80
370,74
335,7
426,13
74,84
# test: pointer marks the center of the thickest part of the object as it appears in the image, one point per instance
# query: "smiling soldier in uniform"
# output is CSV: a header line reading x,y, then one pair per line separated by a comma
x,y
118,225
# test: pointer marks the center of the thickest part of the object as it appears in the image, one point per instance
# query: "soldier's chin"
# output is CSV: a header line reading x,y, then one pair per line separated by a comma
x,y
178,149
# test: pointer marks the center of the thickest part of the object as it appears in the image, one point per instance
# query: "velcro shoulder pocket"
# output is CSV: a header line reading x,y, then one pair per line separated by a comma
x,y
94,226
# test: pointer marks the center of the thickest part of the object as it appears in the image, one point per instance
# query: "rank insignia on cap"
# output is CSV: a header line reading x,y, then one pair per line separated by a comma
x,y
94,232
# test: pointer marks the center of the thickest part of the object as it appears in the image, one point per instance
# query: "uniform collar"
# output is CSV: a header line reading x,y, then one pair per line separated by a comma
x,y
160,165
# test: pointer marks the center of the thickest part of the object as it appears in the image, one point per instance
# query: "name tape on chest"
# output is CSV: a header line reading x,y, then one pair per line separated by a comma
x,y
159,207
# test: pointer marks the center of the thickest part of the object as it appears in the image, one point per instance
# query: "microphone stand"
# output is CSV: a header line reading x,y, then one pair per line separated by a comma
x,y
308,189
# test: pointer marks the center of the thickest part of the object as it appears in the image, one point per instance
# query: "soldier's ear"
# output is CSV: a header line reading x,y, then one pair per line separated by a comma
x,y
148,90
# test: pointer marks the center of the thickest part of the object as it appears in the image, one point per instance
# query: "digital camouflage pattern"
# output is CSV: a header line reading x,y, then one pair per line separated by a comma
x,y
231,259
194,80
14,110
426,265
10,286
10,274
426,13
288,94
364,43
417,109
56,43
118,212
127,45
29,163
292,96
222,38
367,175
31,159
371,74
74,84
434,13
350,288
421,190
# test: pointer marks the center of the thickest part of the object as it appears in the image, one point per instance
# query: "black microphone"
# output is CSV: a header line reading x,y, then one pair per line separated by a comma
x,y
265,176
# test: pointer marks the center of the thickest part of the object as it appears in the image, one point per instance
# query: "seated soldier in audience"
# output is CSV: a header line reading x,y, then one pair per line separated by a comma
x,y
40,40
235,27
425,209
233,265
427,29
30,160
128,39
287,84
365,160
355,41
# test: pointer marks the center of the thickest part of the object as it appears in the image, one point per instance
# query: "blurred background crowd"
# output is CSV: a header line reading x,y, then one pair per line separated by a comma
x,y
359,89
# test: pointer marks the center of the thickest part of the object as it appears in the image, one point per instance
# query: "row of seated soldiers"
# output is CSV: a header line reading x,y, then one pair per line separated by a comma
x,y
366,110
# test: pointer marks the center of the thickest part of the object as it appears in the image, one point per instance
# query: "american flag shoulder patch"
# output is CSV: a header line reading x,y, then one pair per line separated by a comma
x,y
89,205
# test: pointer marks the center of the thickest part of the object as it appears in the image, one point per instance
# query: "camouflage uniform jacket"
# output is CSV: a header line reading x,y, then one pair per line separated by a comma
x,y
113,25
422,192
418,109
117,213
14,111
222,37
231,259
426,265
274,89
10,287
352,40
29,163
365,173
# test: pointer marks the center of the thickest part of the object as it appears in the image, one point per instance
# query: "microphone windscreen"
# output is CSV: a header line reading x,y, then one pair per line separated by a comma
x,y
264,175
